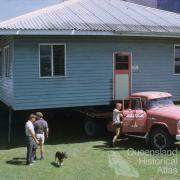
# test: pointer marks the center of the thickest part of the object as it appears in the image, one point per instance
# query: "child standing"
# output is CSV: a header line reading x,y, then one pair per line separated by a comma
x,y
117,114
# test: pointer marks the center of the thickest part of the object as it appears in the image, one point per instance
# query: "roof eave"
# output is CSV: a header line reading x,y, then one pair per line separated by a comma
x,y
53,32
150,34
88,33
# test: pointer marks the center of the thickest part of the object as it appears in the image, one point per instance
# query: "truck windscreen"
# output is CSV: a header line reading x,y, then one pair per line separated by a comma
x,y
159,103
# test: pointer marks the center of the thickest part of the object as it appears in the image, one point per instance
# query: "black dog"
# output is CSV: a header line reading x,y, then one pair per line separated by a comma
x,y
60,156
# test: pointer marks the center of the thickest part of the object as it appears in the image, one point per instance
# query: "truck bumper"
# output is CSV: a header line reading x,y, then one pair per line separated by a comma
x,y
178,137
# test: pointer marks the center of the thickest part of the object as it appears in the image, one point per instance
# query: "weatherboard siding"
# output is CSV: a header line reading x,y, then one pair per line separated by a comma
x,y
89,78
6,84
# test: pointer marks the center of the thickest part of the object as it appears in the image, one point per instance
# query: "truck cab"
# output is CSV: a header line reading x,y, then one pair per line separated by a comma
x,y
152,116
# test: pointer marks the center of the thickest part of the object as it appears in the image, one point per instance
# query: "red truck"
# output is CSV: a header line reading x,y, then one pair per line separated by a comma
x,y
149,115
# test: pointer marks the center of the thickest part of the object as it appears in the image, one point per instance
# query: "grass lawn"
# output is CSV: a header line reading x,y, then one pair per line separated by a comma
x,y
90,159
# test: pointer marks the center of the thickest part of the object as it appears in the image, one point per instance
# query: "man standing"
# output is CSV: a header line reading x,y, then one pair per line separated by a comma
x,y
31,139
41,130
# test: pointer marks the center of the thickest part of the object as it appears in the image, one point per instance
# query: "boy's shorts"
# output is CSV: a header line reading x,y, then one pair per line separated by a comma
x,y
117,125
40,138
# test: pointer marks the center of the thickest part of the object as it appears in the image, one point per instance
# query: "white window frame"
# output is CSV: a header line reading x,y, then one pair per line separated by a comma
x,y
52,62
7,67
176,74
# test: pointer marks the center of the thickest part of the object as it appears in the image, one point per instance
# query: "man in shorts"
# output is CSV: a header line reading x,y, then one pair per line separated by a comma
x,y
41,130
117,114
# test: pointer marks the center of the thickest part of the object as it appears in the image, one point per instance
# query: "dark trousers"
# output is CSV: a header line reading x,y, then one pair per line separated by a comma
x,y
31,150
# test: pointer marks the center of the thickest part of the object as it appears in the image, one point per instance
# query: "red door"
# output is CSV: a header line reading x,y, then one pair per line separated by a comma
x,y
122,75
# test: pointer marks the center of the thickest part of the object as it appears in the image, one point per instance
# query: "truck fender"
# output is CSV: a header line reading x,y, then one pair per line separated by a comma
x,y
158,124
154,125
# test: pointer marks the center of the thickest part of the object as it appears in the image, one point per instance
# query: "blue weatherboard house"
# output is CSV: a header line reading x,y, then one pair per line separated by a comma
x,y
87,53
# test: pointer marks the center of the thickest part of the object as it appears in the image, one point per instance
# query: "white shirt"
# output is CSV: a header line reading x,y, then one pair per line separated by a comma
x,y
116,116
29,126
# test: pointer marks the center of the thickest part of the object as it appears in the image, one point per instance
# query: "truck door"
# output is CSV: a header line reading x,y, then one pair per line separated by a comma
x,y
134,117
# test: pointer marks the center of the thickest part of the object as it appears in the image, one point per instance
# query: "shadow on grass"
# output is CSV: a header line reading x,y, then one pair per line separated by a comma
x,y
72,138
135,145
76,136
123,144
55,164
18,161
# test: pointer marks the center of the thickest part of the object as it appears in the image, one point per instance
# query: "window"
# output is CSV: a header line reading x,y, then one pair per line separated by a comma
x,y
135,103
45,61
144,103
132,103
52,60
1,64
7,62
121,62
177,60
159,103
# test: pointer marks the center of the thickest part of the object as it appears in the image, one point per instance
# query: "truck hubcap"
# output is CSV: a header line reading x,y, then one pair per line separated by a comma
x,y
90,128
160,141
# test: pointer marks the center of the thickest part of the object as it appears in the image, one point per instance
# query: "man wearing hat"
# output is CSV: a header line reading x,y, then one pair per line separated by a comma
x,y
41,130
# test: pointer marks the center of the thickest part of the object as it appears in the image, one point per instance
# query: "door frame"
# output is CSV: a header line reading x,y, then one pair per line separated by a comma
x,y
129,54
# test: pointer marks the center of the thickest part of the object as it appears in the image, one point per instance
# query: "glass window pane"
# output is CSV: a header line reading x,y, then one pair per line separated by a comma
x,y
177,52
121,62
177,69
135,103
58,57
121,66
121,59
1,62
177,59
45,60
126,103
7,62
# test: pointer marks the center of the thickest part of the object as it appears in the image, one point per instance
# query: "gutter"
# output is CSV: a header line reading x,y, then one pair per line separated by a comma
x,y
89,33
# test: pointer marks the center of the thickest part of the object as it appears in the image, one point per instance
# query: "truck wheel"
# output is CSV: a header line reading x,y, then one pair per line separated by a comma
x,y
93,128
160,139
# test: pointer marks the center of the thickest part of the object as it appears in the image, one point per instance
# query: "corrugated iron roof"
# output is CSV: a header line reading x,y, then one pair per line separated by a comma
x,y
101,16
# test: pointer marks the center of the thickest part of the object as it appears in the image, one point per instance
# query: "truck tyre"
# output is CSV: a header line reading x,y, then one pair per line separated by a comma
x,y
160,139
93,128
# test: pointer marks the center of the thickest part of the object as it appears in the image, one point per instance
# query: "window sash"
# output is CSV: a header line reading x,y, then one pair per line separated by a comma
x,y
1,63
177,59
58,60
7,62
52,67
45,61
121,62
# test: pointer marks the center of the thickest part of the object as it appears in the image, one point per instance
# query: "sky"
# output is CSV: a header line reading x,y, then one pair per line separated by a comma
x,y
13,8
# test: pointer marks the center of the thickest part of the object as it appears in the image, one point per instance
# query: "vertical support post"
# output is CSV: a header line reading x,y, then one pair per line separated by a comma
x,y
9,125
